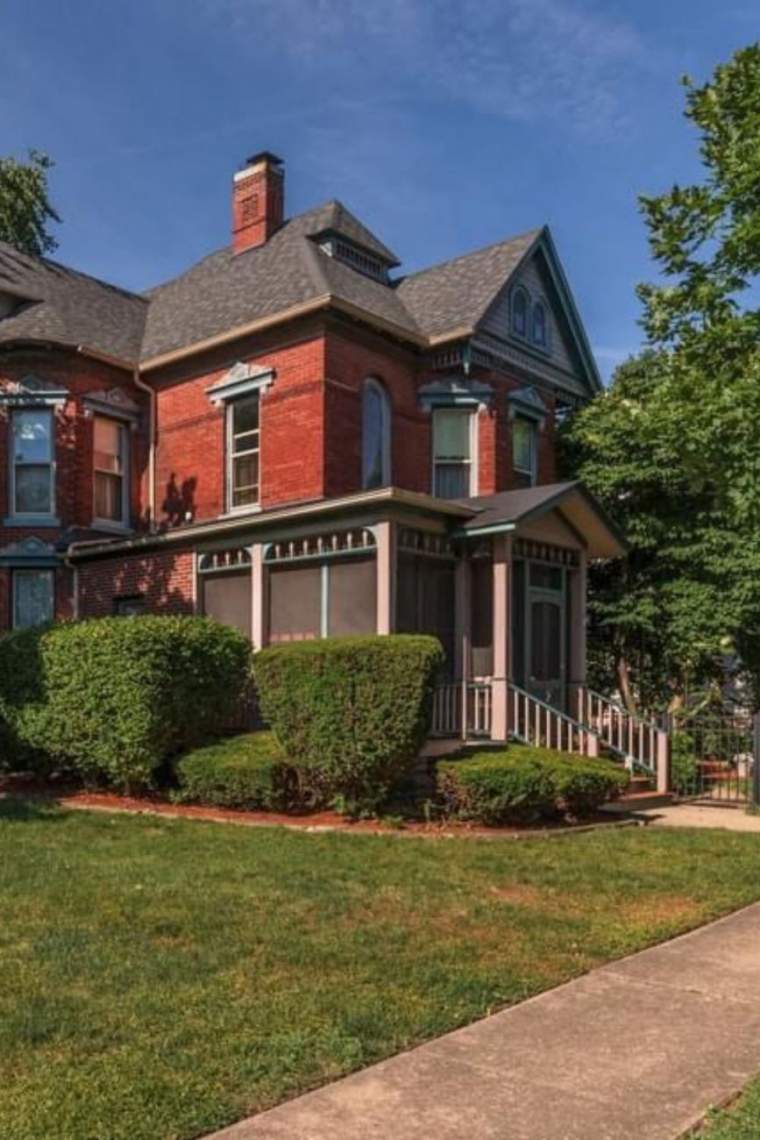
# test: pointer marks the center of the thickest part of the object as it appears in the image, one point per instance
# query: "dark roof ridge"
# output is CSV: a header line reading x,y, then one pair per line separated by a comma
x,y
51,263
472,253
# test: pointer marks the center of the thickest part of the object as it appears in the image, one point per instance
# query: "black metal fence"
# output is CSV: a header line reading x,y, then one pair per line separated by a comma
x,y
714,758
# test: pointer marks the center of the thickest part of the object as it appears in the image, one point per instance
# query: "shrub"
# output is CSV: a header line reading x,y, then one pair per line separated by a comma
x,y
351,712
583,784
248,771
525,784
115,697
684,766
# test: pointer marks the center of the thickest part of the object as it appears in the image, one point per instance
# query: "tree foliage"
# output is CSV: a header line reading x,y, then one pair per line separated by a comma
x,y
25,208
673,448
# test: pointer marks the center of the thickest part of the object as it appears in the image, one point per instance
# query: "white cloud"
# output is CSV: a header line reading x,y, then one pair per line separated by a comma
x,y
523,60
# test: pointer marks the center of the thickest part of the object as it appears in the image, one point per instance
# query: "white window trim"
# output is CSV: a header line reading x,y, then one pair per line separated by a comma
x,y
31,518
15,571
372,383
122,524
474,461
229,411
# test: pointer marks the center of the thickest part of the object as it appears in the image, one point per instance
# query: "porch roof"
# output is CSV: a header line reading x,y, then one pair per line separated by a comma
x,y
506,510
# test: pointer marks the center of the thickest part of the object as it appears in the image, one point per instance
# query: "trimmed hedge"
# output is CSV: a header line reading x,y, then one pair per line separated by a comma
x,y
350,712
525,784
115,697
248,771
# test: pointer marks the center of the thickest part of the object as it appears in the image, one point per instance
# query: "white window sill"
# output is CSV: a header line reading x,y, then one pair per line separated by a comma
x,y
111,526
32,520
241,512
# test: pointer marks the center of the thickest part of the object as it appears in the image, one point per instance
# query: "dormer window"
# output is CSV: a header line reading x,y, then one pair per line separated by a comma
x,y
539,331
520,312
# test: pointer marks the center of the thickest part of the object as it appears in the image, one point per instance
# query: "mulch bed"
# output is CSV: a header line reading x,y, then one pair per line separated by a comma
x,y
69,796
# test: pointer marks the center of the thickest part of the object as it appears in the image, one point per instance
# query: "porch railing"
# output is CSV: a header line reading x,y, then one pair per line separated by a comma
x,y
462,708
535,722
641,744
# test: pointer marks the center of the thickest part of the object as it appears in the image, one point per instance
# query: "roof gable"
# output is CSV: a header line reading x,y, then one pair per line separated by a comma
x,y
540,273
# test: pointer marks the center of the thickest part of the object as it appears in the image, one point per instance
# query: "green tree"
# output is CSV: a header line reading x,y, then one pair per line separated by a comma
x,y
673,448
25,208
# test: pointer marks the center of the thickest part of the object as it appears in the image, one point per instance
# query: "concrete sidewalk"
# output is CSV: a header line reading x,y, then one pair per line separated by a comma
x,y
638,1050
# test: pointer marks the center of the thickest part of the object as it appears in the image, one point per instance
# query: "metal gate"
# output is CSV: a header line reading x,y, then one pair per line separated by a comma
x,y
714,758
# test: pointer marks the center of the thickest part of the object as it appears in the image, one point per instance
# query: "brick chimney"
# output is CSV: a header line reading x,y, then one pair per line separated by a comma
x,y
258,201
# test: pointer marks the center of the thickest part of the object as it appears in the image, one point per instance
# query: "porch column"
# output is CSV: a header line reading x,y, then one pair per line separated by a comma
x,y
502,560
259,598
462,620
385,537
578,590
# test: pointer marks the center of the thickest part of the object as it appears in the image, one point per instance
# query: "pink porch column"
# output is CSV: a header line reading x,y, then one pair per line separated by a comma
x,y
578,592
259,599
386,577
502,559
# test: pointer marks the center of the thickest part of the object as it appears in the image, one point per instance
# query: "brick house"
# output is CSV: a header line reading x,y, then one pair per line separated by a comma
x,y
297,439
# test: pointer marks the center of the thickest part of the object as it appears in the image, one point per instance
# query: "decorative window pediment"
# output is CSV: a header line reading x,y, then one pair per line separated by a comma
x,y
241,380
29,551
454,392
34,391
527,402
112,402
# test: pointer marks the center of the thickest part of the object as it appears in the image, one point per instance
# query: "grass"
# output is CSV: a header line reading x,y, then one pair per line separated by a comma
x,y
161,978
739,1122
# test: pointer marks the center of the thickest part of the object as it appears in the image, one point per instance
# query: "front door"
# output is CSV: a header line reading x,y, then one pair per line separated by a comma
x,y
545,633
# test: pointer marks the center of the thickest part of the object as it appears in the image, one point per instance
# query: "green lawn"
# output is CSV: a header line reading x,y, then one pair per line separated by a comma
x,y
160,978
739,1122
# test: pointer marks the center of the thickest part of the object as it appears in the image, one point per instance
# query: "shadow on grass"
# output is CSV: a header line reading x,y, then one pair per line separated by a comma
x,y
24,809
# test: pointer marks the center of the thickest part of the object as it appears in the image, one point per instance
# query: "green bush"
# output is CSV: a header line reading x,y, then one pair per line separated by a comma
x,y
525,784
115,697
247,771
684,766
350,712
583,784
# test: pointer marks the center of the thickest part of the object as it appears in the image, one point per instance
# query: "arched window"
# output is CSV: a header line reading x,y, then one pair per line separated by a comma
x,y
539,332
376,436
520,312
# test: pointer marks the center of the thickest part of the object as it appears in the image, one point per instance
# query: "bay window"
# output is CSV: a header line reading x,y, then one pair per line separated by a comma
x,y
32,467
110,471
243,453
453,451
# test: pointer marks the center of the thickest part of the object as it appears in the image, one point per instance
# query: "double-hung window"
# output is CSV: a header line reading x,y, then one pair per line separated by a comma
x,y
524,448
453,447
111,471
32,467
32,597
243,453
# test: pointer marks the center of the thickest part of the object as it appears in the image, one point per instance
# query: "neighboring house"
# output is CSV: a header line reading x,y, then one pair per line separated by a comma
x,y
298,440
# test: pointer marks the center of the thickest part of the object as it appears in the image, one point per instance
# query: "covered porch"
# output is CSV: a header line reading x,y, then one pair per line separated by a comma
x,y
500,580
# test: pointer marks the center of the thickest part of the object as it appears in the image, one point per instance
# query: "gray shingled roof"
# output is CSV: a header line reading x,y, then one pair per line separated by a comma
x,y
226,290
459,291
68,307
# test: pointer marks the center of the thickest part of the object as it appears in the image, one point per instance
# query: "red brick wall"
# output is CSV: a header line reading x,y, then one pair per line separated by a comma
x,y
73,456
350,358
165,580
191,433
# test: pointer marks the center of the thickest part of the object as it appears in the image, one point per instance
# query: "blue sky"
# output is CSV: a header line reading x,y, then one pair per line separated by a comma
x,y
445,125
